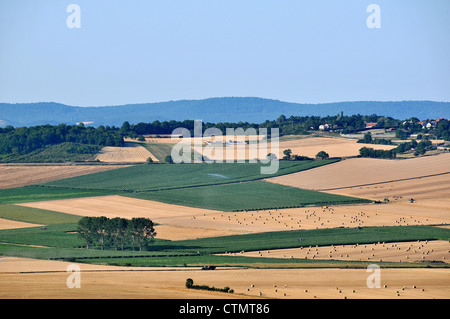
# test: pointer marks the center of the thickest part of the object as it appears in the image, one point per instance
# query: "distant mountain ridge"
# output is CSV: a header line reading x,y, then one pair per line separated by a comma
x,y
215,110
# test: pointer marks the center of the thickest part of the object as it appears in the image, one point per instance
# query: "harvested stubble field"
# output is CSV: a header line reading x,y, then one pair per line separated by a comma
x,y
22,175
12,224
310,146
177,222
130,153
258,149
417,251
358,172
27,278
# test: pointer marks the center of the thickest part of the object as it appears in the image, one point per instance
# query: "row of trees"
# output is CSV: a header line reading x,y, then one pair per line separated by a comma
x,y
291,125
117,233
24,140
367,139
420,148
288,156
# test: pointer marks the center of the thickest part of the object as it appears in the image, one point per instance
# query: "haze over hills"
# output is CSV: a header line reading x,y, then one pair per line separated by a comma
x,y
226,109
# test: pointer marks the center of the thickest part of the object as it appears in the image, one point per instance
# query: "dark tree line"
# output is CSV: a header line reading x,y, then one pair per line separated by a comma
x,y
291,125
24,140
420,148
116,233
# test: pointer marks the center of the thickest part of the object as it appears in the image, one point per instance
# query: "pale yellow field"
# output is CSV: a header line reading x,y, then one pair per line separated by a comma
x,y
26,278
181,222
12,224
365,171
310,146
436,251
130,153
22,175
334,146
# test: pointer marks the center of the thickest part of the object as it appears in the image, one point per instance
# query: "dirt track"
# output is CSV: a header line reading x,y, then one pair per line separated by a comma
x,y
25,278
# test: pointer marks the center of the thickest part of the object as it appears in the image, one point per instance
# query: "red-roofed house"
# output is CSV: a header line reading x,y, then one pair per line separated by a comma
x,y
371,125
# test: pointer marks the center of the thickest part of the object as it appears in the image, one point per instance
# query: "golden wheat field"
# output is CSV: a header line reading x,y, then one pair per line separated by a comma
x,y
357,172
28,278
130,153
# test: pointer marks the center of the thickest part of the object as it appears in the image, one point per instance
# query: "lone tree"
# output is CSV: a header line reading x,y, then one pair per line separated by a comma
x,y
287,154
168,159
189,283
322,155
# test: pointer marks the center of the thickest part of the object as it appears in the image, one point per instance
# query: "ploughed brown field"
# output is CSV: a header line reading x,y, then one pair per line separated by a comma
x,y
22,175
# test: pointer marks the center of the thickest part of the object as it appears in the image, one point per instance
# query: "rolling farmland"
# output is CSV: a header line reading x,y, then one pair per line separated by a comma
x,y
231,216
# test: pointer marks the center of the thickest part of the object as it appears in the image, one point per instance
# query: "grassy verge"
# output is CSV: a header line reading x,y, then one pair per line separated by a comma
x,y
37,193
248,262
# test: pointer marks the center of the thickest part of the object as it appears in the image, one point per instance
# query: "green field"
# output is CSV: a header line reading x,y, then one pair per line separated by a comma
x,y
39,193
59,153
171,176
246,196
159,150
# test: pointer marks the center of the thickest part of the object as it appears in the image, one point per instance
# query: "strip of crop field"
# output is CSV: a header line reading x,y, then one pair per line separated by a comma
x,y
159,150
64,242
246,196
38,193
171,176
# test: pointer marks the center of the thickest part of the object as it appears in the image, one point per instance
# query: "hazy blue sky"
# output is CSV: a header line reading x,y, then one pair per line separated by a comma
x,y
139,51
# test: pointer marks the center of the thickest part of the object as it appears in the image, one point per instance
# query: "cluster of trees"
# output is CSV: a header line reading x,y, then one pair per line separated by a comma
x,y
117,233
367,139
24,140
190,285
372,153
420,148
412,126
288,156
291,125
